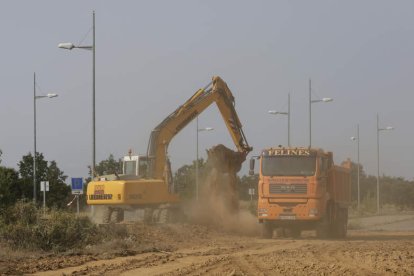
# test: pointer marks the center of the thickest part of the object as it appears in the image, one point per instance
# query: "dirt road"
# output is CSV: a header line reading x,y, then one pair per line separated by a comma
x,y
186,249
364,253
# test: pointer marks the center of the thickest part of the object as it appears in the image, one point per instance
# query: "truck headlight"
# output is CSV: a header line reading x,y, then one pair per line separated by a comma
x,y
313,212
262,212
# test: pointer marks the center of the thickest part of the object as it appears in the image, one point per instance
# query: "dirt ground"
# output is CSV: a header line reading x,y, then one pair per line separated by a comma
x,y
190,249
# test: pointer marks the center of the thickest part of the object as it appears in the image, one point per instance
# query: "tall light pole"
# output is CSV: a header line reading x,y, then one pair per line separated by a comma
x,y
196,172
378,157
50,95
70,46
274,112
357,139
325,100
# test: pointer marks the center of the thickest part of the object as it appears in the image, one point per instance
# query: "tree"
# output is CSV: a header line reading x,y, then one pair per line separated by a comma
x,y
107,166
248,182
59,191
26,174
9,180
185,178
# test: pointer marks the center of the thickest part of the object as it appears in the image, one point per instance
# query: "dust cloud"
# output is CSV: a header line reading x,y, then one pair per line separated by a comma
x,y
218,203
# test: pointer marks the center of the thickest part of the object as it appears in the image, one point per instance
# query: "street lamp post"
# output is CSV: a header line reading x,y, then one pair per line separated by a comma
x,y
70,46
378,157
274,112
358,173
196,172
325,100
50,95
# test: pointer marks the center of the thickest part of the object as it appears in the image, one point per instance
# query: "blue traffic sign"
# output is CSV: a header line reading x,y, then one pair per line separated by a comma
x,y
77,184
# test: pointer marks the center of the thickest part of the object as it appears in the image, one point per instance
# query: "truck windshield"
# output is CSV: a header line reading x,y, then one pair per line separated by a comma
x,y
288,165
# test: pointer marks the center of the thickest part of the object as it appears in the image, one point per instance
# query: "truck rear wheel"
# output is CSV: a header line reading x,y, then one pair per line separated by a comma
x,y
267,230
340,227
323,229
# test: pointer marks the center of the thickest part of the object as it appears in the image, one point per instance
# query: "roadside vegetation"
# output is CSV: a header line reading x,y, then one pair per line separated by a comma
x,y
24,225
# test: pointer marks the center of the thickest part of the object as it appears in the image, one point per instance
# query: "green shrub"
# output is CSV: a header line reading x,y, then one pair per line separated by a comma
x,y
23,226
63,230
21,212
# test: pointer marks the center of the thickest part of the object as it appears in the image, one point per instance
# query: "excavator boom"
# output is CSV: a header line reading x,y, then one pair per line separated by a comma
x,y
215,92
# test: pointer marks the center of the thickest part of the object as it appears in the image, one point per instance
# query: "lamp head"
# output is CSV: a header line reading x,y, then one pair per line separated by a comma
x,y
353,138
52,95
325,100
66,45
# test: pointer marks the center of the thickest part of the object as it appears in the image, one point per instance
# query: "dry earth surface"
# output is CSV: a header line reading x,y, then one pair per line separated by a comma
x,y
382,246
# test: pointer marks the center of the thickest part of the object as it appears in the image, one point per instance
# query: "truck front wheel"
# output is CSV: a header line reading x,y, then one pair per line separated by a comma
x,y
267,230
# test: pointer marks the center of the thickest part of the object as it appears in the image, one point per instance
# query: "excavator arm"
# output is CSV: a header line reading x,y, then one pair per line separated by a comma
x,y
216,91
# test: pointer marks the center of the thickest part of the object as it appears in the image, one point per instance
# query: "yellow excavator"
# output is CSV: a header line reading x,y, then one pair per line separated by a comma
x,y
146,181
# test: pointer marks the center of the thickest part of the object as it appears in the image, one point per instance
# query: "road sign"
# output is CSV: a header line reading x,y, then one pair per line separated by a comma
x,y
251,191
77,185
43,185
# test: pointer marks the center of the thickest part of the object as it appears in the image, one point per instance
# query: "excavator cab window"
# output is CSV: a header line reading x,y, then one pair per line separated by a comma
x,y
130,167
143,167
135,166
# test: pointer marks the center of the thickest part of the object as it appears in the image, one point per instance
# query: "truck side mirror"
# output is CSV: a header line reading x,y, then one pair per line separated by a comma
x,y
251,171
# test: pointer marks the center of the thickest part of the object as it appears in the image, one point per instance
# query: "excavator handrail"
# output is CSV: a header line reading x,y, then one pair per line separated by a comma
x,y
216,91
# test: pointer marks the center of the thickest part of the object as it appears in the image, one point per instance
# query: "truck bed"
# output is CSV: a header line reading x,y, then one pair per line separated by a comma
x,y
339,186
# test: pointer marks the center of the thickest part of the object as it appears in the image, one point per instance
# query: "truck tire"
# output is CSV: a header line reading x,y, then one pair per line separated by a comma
x,y
176,215
156,215
119,215
323,229
267,230
280,232
294,232
148,215
345,222
106,214
164,216
341,224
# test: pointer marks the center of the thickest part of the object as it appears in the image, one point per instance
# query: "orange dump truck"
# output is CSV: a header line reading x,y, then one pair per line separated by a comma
x,y
301,189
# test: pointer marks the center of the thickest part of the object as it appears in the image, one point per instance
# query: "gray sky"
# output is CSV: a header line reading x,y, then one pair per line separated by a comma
x,y
153,55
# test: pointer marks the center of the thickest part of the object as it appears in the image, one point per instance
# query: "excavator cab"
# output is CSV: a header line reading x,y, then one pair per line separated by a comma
x,y
135,165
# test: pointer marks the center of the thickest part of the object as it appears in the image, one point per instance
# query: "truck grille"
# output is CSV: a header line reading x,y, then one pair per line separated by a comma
x,y
288,188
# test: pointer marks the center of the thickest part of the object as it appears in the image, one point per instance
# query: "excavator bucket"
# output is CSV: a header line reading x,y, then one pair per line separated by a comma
x,y
221,181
